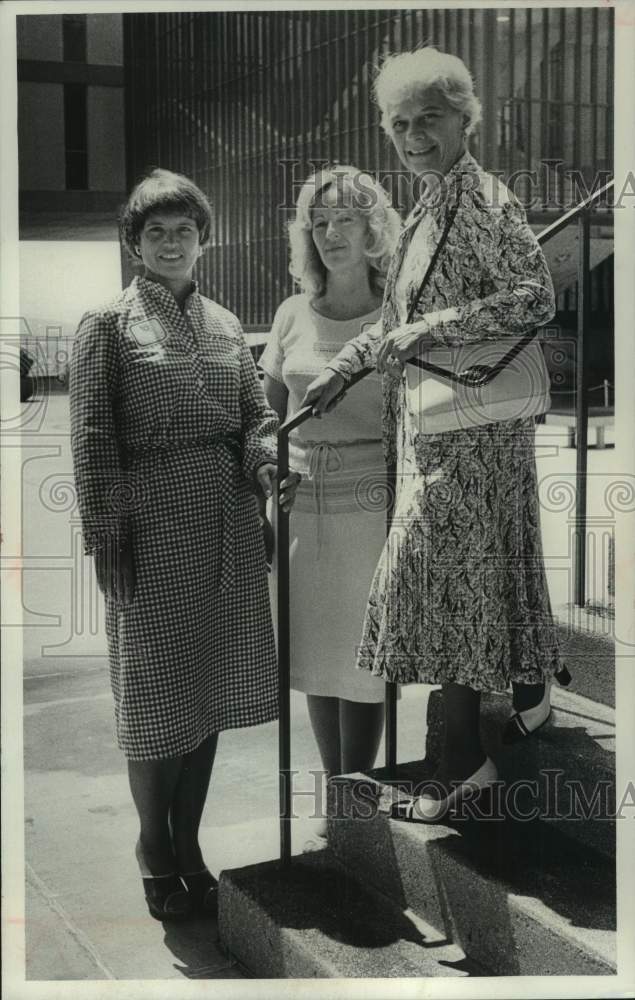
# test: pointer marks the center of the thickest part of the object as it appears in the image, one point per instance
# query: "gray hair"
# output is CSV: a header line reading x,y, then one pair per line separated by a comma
x,y
404,75
359,191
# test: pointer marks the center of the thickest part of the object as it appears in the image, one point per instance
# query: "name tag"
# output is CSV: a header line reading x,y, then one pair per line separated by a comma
x,y
149,331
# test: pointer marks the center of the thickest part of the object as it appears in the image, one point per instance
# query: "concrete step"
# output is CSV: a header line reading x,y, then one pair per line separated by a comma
x,y
312,921
518,898
587,644
564,773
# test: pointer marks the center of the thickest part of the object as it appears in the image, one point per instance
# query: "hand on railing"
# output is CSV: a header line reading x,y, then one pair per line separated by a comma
x,y
328,389
267,473
324,392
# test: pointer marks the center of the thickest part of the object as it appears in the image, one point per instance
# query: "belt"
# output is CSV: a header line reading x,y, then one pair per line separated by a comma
x,y
229,455
318,467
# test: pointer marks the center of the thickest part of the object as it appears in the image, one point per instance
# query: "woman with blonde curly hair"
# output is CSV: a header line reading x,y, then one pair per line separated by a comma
x,y
341,242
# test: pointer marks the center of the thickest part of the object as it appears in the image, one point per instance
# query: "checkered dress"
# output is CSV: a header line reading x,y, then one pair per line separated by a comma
x,y
168,426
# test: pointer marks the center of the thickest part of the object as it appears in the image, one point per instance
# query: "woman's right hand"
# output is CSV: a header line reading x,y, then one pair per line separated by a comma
x,y
115,571
324,392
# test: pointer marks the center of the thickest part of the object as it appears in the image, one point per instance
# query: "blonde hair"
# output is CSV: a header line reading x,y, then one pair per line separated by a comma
x,y
357,190
404,75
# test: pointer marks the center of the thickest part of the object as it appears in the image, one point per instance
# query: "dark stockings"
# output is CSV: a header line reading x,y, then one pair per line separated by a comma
x,y
463,752
169,796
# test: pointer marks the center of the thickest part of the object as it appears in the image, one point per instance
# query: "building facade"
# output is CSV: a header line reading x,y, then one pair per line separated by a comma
x,y
247,103
71,136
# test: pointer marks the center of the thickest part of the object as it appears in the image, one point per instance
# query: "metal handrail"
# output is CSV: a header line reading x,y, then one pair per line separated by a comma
x,y
581,212
284,657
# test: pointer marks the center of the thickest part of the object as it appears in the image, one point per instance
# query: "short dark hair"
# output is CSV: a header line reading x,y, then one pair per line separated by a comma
x,y
163,191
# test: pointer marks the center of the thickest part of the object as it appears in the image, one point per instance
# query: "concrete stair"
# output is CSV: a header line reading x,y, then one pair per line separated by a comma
x,y
520,898
312,920
564,774
520,882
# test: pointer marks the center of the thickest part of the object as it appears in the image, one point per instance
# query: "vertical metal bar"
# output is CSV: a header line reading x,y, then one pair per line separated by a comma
x,y
282,116
233,157
545,84
376,130
284,653
343,88
240,171
390,705
269,80
359,159
330,97
529,93
169,95
512,88
577,87
582,406
262,315
176,130
367,108
610,56
213,148
224,61
593,87
458,14
489,147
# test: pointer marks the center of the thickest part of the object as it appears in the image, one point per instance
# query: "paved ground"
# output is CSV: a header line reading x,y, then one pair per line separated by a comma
x,y
86,918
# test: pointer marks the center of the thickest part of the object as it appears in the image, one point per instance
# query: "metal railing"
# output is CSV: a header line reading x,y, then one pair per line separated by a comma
x,y
580,215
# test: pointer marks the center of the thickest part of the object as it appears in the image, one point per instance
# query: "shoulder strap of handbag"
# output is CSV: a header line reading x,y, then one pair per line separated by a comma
x,y
470,377
449,219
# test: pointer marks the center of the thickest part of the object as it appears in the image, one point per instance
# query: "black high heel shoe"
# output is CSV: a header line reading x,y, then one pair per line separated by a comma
x,y
166,897
520,725
202,889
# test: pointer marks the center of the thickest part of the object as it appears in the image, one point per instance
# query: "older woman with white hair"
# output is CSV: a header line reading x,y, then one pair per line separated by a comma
x,y
341,241
459,597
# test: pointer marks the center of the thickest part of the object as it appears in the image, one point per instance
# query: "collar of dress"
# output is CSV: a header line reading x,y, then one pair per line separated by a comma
x,y
159,293
445,189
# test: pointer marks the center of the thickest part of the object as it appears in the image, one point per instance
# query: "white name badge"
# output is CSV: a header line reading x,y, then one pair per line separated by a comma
x,y
148,331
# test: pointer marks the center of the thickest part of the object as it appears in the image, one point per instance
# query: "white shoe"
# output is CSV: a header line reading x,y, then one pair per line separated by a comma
x,y
425,809
315,843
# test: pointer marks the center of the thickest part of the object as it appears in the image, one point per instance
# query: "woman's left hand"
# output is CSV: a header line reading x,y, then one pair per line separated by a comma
x,y
266,475
400,344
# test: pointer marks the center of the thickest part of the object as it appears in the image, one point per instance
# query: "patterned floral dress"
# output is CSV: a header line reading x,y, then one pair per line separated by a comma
x,y
460,592
168,425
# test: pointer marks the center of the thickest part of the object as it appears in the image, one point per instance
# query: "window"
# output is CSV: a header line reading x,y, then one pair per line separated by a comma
x,y
74,35
75,136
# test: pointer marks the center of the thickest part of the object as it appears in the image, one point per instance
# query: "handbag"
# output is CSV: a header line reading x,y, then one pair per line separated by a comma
x,y
457,388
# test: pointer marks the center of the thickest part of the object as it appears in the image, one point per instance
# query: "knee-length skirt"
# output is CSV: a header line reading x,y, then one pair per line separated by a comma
x,y
460,592
194,652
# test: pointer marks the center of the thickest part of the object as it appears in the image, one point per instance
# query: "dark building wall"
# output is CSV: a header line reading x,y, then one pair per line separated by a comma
x,y
245,103
71,135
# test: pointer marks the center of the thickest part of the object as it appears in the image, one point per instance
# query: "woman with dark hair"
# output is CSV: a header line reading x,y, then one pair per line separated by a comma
x,y
172,439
